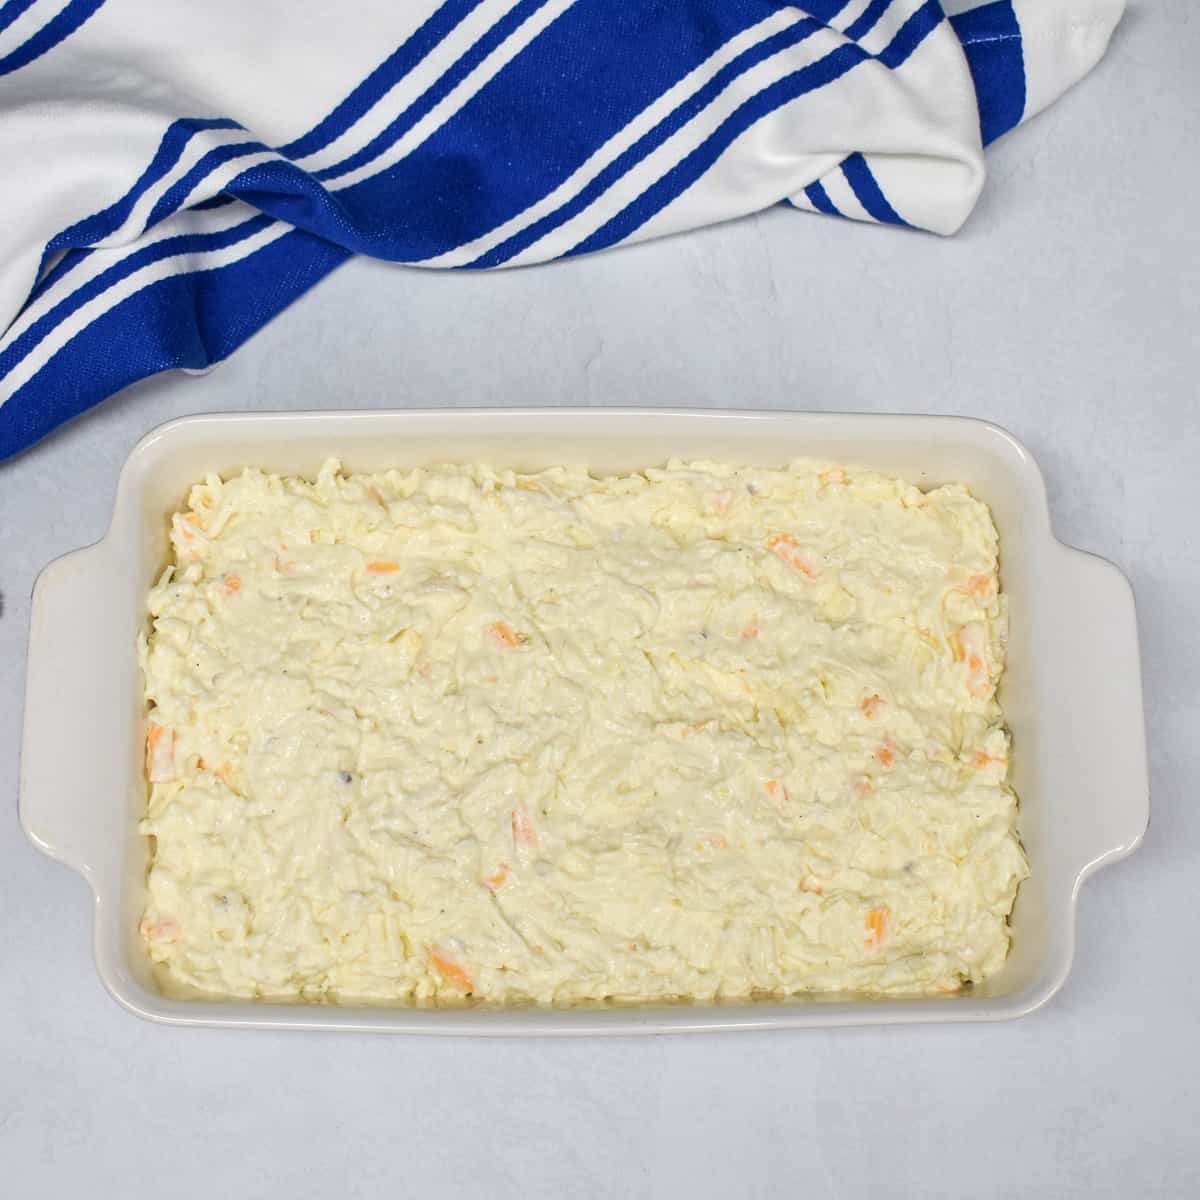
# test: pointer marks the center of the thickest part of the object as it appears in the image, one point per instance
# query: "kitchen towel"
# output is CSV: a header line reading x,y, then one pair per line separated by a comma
x,y
174,174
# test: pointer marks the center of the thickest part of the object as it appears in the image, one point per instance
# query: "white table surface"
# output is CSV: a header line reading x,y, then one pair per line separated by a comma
x,y
1066,310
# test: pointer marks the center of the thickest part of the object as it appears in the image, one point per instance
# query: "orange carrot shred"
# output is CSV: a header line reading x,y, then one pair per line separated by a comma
x,y
382,566
505,636
788,550
877,925
160,750
981,759
450,971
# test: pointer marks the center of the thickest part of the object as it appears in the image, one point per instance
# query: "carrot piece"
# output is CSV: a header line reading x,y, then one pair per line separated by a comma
x,y
449,970
788,550
777,790
498,878
505,637
186,537
811,885
979,585
833,475
232,584
165,929
973,641
877,925
751,632
872,704
981,759
160,752
523,831
382,566
886,754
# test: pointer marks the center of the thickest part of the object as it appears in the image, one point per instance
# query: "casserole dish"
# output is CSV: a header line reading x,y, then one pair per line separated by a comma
x,y
1071,694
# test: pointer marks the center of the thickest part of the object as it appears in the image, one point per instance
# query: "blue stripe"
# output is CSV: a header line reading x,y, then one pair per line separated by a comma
x,y
991,37
58,28
189,243
870,195
647,143
183,187
381,81
785,90
10,11
434,95
819,198
868,19
190,320
912,33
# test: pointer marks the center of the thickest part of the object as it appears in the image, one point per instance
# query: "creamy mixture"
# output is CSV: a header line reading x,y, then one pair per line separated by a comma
x,y
459,734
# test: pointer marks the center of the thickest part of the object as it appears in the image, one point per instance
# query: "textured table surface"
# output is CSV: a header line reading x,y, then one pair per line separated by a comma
x,y
1066,310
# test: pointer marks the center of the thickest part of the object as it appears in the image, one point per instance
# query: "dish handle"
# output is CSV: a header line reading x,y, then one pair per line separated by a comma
x,y
78,733
1099,712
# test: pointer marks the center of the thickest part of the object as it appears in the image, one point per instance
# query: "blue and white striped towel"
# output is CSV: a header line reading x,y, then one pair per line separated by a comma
x,y
176,173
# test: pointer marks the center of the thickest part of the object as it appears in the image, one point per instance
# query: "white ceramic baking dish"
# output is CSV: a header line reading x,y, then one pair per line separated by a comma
x,y
1072,693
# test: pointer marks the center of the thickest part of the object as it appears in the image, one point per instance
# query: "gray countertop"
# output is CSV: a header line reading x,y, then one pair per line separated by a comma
x,y
1067,310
